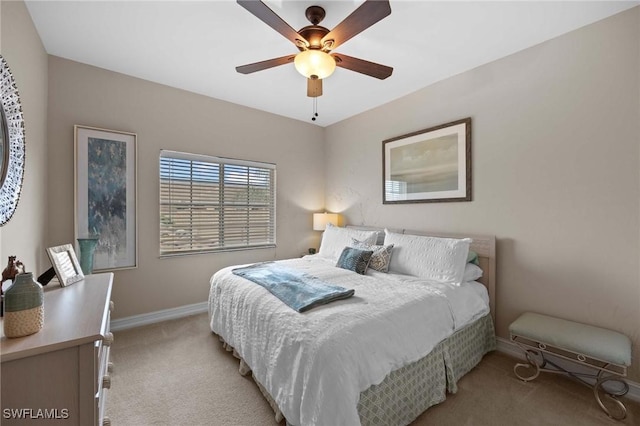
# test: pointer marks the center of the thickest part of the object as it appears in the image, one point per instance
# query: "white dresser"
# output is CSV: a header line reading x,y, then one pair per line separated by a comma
x,y
60,375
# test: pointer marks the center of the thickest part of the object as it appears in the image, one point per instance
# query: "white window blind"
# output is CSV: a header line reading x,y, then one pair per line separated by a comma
x,y
215,204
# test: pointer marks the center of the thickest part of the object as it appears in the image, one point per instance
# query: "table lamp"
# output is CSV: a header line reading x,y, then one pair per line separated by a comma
x,y
320,220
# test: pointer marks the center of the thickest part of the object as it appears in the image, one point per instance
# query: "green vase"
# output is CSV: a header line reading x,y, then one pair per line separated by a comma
x,y
23,306
87,251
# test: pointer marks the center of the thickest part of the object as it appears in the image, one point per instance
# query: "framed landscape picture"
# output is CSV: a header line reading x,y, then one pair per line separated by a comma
x,y
105,195
431,165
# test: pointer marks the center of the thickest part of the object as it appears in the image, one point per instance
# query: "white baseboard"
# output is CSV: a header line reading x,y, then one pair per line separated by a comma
x,y
507,347
158,316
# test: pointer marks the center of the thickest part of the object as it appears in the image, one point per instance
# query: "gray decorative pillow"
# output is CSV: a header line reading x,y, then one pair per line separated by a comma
x,y
354,259
381,254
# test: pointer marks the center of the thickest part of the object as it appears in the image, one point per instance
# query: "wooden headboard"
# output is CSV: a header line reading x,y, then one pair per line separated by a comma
x,y
484,245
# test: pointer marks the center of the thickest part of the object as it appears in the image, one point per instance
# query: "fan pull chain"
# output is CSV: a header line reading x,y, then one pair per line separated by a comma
x,y
315,108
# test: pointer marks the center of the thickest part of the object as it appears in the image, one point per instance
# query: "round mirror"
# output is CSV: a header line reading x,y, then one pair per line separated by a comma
x,y
11,145
4,150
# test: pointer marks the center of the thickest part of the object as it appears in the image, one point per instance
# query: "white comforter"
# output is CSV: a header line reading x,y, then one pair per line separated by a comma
x,y
315,364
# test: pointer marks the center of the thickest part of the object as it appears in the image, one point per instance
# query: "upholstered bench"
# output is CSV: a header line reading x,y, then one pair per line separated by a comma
x,y
606,351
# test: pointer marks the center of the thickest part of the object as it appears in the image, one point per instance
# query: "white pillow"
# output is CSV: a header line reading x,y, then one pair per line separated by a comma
x,y
472,272
380,232
432,258
335,239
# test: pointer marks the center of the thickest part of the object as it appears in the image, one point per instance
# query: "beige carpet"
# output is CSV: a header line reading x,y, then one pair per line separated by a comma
x,y
176,373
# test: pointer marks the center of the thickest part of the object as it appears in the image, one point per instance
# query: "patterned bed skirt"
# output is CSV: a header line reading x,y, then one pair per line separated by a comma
x,y
408,391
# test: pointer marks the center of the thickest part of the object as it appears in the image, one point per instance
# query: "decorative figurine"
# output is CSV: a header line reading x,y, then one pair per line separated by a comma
x,y
11,270
9,273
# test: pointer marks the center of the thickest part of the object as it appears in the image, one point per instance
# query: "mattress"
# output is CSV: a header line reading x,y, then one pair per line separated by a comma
x,y
315,365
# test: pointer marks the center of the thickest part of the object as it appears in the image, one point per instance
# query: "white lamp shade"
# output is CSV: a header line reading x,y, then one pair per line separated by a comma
x,y
320,220
314,62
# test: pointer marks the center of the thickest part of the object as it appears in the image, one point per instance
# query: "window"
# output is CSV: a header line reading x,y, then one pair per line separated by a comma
x,y
215,204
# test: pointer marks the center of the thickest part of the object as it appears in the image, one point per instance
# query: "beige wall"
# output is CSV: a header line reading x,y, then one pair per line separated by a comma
x,y
167,118
25,234
555,171
556,163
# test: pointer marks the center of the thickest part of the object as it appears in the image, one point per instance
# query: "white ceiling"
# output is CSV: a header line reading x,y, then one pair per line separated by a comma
x,y
196,45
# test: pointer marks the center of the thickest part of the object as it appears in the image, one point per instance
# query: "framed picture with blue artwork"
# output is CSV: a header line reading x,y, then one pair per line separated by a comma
x,y
106,195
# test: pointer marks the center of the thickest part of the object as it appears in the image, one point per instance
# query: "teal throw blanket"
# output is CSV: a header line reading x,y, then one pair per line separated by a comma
x,y
297,289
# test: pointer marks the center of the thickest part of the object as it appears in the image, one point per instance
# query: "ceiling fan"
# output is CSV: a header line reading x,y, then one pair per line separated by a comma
x,y
316,60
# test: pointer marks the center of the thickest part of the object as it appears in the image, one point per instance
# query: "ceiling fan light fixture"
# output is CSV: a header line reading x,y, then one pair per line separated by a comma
x,y
314,62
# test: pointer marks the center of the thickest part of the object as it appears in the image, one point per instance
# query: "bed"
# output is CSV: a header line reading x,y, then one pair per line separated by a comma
x,y
367,359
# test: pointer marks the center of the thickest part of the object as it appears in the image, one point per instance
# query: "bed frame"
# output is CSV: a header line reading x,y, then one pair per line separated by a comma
x,y
409,391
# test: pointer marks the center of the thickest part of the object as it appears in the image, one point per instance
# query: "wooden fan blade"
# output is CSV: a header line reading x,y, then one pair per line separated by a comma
x,y
269,17
314,87
364,67
370,12
263,65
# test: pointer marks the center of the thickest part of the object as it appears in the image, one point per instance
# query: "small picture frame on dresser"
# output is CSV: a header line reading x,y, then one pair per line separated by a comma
x,y
65,263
